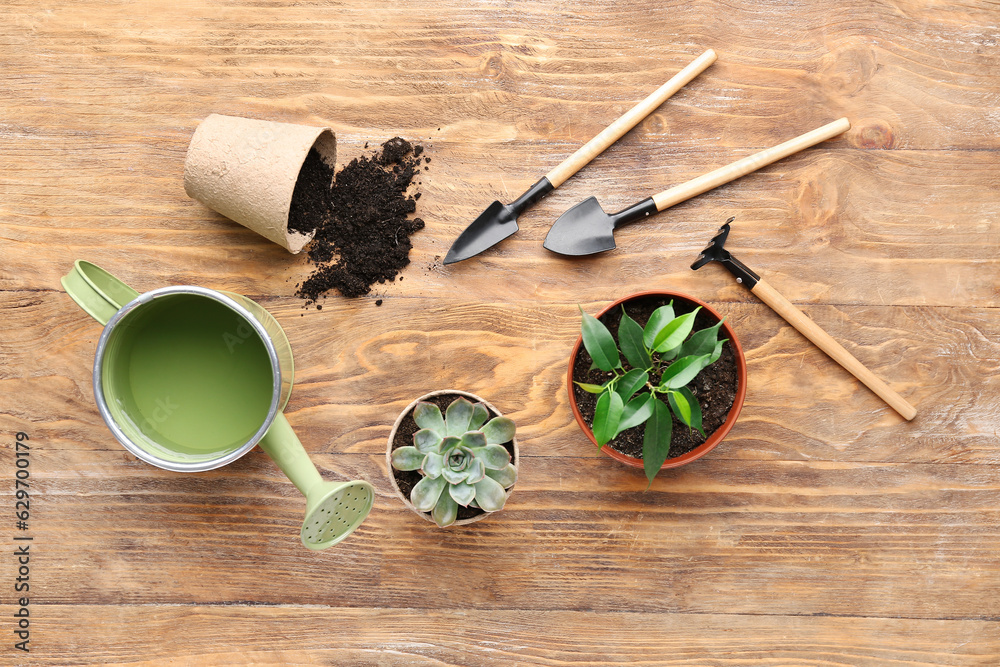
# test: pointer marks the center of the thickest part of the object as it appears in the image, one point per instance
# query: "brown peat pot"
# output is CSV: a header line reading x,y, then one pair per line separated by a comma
x,y
716,436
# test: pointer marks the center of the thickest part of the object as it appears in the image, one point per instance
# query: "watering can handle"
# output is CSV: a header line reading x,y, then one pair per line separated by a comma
x,y
95,290
284,447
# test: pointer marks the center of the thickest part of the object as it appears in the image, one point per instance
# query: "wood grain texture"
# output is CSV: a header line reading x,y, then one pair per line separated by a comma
x,y
824,531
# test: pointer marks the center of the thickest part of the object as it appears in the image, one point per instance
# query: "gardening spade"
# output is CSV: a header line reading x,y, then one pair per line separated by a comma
x,y
499,221
586,229
715,252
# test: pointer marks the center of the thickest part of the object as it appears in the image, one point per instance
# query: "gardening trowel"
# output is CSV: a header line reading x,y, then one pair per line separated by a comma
x,y
716,252
586,228
499,221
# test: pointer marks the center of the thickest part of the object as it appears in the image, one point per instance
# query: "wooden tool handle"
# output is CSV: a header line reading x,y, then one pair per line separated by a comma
x,y
731,172
630,119
835,350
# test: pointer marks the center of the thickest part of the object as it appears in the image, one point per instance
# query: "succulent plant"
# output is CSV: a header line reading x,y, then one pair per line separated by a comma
x,y
461,458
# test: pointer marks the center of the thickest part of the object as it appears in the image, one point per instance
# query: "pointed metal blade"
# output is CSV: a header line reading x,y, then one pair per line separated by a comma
x,y
584,229
493,225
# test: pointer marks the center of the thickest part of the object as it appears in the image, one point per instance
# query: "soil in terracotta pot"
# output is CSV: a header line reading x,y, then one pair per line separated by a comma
x,y
715,387
404,436
361,218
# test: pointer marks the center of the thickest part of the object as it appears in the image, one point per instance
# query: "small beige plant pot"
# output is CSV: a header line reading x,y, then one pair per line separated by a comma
x,y
406,414
246,170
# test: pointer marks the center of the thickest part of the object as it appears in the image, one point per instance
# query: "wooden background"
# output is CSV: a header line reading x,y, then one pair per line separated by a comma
x,y
823,531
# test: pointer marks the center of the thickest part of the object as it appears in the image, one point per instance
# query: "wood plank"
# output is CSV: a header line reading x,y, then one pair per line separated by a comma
x,y
349,388
329,635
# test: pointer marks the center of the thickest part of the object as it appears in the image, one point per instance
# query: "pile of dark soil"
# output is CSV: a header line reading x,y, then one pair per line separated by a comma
x,y
360,217
406,480
715,387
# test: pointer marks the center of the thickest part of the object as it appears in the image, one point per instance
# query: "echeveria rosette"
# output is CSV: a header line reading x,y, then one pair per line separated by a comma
x,y
461,458
664,357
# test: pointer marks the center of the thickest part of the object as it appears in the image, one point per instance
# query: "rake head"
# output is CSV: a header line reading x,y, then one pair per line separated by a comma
x,y
715,251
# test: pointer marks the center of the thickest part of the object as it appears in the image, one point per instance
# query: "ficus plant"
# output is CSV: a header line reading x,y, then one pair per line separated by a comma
x,y
461,458
664,357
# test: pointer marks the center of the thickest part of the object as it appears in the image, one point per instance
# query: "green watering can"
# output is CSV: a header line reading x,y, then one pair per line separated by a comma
x,y
190,379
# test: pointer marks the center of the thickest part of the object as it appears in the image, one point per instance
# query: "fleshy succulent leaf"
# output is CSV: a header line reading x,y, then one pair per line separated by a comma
x,y
462,493
506,476
671,336
632,345
428,415
479,416
659,319
445,511
476,472
636,412
590,388
448,444
630,383
458,416
682,371
426,440
656,439
499,430
473,439
701,342
494,457
607,415
407,458
695,422
454,476
426,492
600,343
432,465
490,494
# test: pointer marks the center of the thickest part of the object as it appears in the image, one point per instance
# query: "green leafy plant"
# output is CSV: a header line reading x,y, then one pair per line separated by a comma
x,y
664,357
461,458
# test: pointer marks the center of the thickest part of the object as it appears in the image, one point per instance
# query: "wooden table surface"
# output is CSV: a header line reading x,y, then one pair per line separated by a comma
x,y
824,530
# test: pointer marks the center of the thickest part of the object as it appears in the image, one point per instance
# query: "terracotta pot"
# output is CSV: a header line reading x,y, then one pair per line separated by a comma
x,y
515,458
714,438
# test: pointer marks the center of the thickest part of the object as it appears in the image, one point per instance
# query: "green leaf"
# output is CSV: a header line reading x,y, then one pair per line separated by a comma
x,y
499,430
446,511
426,440
428,415
407,458
695,422
701,342
636,412
476,472
717,352
458,416
682,371
656,440
490,495
599,343
473,439
607,415
448,444
454,476
506,477
630,383
659,319
462,493
630,339
426,492
680,406
494,457
432,465
672,335
590,388
479,416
